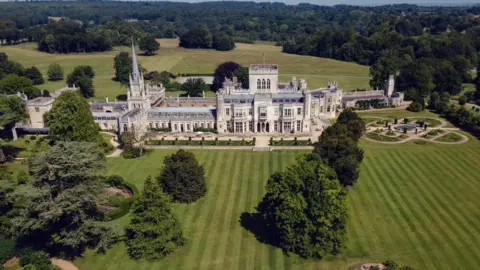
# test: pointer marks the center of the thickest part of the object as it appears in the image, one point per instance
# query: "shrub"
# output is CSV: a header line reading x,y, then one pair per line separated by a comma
x,y
22,177
39,259
135,152
7,249
115,180
33,138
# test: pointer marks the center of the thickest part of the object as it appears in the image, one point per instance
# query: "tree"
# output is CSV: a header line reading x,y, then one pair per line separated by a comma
x,y
123,67
434,101
353,122
160,77
447,79
304,209
381,70
154,232
12,84
12,111
194,87
182,177
223,71
34,75
416,75
61,202
196,38
149,45
242,75
477,84
70,119
55,72
337,147
223,43
81,76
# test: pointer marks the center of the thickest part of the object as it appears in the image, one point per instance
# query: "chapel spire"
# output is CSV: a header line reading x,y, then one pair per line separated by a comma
x,y
135,71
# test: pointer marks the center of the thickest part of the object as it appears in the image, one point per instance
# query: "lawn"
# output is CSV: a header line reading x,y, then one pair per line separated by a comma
x,y
415,204
380,137
449,137
317,71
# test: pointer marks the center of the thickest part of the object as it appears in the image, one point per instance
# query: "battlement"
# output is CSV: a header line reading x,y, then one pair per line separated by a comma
x,y
263,69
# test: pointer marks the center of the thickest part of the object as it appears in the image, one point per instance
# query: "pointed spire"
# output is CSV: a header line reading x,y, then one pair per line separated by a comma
x,y
135,71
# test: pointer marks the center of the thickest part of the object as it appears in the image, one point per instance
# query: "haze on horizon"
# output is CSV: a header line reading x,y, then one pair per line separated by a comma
x,y
359,2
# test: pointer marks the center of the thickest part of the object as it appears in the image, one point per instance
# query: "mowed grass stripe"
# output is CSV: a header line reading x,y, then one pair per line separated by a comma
x,y
245,238
208,160
234,224
199,237
211,230
375,170
405,212
457,223
223,230
424,208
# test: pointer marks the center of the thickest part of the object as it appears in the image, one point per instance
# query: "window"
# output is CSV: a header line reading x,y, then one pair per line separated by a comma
x,y
250,111
275,125
263,112
37,109
175,127
208,125
263,84
268,84
156,125
188,127
239,127
287,112
321,109
328,108
227,111
329,99
151,124
259,84
276,111
125,128
163,125
238,112
202,125
250,126
299,111
299,125
287,126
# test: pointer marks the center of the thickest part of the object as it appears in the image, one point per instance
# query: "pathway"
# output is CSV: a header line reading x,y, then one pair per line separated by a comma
x,y
118,151
63,264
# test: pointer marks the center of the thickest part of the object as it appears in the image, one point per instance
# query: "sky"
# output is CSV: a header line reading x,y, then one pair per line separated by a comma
x,y
365,2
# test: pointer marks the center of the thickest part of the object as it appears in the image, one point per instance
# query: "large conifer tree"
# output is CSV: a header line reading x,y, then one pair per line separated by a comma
x,y
154,232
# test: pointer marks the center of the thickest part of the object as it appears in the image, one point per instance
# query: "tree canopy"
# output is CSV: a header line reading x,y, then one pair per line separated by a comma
x,y
182,177
61,200
196,38
149,45
224,70
55,72
304,209
34,75
70,119
123,67
81,77
194,87
154,232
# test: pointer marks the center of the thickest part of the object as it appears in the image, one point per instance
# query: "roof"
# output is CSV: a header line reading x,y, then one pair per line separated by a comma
x,y
241,96
100,114
40,101
182,109
287,95
350,98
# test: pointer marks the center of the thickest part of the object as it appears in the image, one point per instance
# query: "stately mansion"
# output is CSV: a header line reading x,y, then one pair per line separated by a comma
x,y
267,106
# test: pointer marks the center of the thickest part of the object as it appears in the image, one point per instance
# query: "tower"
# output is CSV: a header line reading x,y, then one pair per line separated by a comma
x,y
137,95
390,85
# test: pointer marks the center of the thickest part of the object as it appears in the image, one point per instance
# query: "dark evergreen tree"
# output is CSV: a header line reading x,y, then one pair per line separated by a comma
x,y
182,177
154,232
223,43
34,75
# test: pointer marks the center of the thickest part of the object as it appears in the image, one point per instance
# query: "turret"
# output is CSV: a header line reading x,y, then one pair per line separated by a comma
x,y
390,85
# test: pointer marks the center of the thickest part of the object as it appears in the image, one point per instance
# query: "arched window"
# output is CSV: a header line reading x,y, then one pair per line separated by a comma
x,y
263,84
268,84
259,84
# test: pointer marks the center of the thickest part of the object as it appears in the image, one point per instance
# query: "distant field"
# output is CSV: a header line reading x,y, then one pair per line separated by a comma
x,y
415,204
317,71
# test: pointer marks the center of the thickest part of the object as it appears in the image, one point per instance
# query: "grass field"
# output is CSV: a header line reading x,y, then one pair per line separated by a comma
x,y
415,204
317,71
